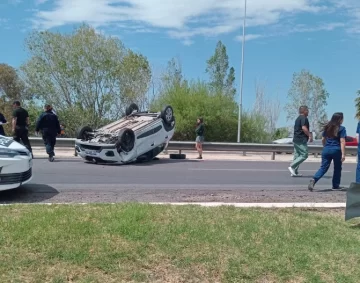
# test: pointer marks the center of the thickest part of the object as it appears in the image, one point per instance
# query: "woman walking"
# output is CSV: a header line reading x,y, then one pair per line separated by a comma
x,y
199,136
334,150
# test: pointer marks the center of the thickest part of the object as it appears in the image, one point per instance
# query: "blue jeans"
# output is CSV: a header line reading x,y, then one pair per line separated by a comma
x,y
327,156
50,142
358,167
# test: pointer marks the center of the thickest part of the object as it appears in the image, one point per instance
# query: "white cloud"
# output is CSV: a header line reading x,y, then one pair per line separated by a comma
x,y
181,19
281,30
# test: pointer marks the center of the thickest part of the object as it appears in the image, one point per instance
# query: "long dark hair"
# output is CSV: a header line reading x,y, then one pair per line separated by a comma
x,y
331,129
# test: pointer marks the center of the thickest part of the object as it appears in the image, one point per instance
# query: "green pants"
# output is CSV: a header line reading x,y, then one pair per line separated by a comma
x,y
300,155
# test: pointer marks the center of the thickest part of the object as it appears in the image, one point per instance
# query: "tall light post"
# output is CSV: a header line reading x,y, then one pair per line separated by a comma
x,y
242,75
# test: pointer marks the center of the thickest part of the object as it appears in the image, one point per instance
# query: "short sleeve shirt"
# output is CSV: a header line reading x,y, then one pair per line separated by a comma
x,y
299,135
334,143
20,114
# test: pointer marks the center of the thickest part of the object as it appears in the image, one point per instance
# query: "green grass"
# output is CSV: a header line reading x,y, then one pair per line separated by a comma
x,y
144,243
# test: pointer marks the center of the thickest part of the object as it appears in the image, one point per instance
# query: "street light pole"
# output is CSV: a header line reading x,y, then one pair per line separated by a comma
x,y
242,75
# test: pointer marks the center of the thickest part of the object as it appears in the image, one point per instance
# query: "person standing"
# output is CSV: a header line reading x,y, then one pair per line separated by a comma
x,y
302,136
49,125
2,122
199,136
20,124
334,150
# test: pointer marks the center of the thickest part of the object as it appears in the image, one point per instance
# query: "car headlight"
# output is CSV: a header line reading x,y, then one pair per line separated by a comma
x,y
5,152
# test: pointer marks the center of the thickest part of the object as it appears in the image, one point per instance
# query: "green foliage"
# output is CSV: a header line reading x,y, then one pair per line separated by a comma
x,y
307,89
281,133
221,78
195,99
86,76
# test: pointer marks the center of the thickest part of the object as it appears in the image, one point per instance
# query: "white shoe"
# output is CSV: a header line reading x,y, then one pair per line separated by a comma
x,y
296,175
292,171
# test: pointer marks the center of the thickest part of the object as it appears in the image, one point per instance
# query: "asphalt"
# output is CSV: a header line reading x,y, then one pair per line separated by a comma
x,y
72,180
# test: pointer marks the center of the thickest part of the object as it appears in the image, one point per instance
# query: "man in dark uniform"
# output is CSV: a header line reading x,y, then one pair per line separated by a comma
x,y
49,125
20,123
2,122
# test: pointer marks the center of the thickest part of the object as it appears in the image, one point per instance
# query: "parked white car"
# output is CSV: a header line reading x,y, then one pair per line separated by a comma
x,y
136,136
15,164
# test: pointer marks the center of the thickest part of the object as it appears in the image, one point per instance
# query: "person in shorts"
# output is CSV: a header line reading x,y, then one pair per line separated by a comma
x,y
199,136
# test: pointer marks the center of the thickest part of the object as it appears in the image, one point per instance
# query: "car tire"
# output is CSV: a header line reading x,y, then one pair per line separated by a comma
x,y
131,108
177,156
126,140
83,133
167,114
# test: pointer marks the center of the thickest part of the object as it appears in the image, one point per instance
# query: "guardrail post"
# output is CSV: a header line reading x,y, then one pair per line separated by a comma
x,y
179,151
244,153
273,155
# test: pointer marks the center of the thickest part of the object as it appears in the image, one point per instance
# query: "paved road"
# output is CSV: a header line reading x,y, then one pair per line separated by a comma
x,y
174,180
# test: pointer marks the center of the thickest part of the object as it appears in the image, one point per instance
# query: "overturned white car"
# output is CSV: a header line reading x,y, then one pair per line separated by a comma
x,y
15,164
138,136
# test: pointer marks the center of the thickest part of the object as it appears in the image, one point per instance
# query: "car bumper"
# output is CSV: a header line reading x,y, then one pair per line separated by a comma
x,y
97,152
15,172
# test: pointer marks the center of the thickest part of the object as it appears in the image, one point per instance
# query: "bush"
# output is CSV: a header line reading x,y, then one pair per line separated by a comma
x,y
220,113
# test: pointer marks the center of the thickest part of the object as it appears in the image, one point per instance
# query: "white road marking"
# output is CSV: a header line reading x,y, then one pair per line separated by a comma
x,y
253,169
217,204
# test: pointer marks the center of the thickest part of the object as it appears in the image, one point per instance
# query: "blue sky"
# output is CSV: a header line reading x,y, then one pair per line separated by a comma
x,y
283,37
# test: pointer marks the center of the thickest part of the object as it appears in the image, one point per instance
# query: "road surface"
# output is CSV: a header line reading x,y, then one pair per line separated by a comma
x,y
72,180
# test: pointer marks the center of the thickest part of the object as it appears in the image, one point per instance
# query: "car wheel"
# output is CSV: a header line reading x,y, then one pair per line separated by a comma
x,y
84,133
177,156
129,110
126,140
167,114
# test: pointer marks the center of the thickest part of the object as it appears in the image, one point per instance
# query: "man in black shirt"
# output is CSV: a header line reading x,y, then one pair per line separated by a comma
x,y
20,123
2,122
49,125
301,137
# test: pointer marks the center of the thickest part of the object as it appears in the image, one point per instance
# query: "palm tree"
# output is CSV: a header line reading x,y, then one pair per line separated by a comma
x,y
357,104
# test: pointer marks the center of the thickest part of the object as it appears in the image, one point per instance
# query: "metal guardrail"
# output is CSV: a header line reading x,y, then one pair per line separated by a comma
x,y
214,146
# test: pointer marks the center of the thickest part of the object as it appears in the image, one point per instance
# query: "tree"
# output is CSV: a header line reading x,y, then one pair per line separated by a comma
x,y
307,89
269,108
193,99
221,78
11,86
88,77
173,74
357,105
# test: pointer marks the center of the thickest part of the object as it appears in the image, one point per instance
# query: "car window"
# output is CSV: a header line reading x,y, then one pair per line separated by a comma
x,y
348,139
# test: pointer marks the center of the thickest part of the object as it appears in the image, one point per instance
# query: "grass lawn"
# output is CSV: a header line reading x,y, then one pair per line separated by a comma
x,y
144,243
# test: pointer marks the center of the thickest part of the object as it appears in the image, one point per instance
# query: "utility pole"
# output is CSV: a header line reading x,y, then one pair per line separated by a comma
x,y
241,76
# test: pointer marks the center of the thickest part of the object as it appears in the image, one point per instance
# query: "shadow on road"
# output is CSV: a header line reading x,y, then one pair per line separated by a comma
x,y
28,194
156,161
162,161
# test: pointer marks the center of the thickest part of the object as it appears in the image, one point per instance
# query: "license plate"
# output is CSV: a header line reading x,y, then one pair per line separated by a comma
x,y
91,152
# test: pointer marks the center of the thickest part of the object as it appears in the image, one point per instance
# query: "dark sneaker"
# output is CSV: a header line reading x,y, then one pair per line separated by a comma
x,y
311,185
51,159
200,157
338,189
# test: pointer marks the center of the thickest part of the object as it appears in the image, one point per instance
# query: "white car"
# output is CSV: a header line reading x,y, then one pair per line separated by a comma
x,y
136,136
15,164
